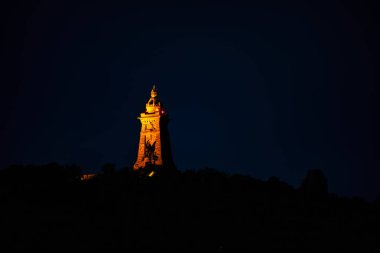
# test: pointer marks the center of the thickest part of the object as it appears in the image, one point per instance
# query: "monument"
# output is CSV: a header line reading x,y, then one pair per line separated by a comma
x,y
154,152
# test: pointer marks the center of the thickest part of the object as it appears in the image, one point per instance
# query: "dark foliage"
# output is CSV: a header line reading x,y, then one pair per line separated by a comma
x,y
49,209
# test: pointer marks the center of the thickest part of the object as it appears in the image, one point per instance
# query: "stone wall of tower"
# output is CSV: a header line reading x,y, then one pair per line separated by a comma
x,y
149,134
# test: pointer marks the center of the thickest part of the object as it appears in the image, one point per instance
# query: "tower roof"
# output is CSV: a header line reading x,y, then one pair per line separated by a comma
x,y
154,104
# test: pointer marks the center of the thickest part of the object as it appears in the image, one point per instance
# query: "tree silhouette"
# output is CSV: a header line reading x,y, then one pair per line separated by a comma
x,y
108,168
314,184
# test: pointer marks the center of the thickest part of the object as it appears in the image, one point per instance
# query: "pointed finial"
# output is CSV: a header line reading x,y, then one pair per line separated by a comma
x,y
153,93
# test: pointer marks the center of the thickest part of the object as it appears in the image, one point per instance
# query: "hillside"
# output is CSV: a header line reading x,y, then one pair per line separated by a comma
x,y
48,208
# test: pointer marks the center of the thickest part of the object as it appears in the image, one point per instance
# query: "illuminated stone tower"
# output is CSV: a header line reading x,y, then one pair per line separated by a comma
x,y
154,145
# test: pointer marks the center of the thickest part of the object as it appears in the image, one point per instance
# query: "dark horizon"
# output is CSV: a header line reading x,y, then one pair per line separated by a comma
x,y
263,89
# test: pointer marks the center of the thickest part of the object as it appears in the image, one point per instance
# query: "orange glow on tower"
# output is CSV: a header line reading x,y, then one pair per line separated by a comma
x,y
154,145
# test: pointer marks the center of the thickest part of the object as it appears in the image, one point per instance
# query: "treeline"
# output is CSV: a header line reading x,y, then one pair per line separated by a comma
x,y
50,209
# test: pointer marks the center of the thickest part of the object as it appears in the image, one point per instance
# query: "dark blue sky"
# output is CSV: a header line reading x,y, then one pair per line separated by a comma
x,y
266,89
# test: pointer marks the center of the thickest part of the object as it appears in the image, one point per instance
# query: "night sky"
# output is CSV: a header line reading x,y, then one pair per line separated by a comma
x,y
265,89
